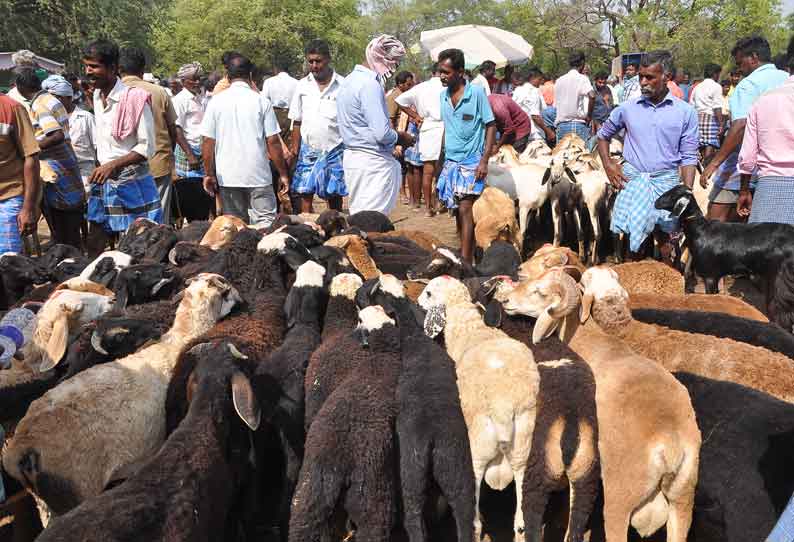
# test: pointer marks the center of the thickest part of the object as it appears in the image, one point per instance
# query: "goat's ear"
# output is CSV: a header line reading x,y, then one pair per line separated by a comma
x,y
56,346
435,321
587,304
291,307
546,176
544,326
570,174
122,296
245,403
493,314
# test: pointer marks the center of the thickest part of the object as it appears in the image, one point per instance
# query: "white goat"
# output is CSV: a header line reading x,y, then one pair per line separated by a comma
x,y
498,384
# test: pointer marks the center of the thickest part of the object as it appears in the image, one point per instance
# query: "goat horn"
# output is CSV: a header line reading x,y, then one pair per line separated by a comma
x,y
236,353
172,257
96,344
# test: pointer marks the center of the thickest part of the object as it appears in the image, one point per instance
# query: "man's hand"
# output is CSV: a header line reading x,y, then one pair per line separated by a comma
x,y
102,173
708,171
745,203
405,139
283,194
615,174
210,184
26,220
482,169
397,152
551,135
193,162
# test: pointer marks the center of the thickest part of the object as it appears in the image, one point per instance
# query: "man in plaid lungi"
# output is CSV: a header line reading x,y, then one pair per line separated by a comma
x,y
707,101
661,137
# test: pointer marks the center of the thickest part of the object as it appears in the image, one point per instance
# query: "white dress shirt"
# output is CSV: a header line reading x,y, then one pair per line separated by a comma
x,y
279,89
570,96
189,110
240,120
483,82
426,98
707,96
109,148
316,111
530,100
81,133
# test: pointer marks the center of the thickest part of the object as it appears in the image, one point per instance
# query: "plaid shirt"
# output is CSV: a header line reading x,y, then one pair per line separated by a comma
x,y
63,187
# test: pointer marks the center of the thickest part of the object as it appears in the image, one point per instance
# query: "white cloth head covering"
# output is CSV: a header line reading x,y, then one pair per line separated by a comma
x,y
57,85
150,78
23,58
190,71
384,54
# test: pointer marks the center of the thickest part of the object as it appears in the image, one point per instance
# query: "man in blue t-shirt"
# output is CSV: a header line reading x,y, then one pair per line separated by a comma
x,y
469,132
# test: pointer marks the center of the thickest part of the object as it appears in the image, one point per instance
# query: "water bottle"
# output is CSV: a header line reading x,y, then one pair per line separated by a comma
x,y
16,328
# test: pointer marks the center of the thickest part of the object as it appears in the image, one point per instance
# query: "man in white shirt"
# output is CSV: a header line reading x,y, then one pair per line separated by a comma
x,y
707,101
529,98
239,131
574,98
315,132
422,104
190,105
280,90
486,75
123,188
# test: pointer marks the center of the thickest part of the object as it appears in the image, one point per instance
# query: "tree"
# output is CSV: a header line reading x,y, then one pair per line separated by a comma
x,y
266,31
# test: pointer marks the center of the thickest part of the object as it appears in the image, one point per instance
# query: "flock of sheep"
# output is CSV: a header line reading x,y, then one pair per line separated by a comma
x,y
335,379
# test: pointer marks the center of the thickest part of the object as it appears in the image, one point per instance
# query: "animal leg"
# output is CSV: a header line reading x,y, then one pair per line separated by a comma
x,y
593,256
617,240
584,492
518,519
577,223
414,463
689,276
535,490
479,473
556,217
711,285
456,481
523,220
616,519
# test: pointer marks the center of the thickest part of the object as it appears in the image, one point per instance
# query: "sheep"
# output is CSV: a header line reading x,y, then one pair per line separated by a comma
x,y
105,267
745,469
357,252
590,176
140,283
649,277
430,426
422,239
193,232
718,324
370,221
152,245
548,257
498,385
18,275
395,255
332,222
721,248
333,259
351,451
210,449
495,218
221,232
648,440
698,302
112,413
56,254
712,357
501,258
565,196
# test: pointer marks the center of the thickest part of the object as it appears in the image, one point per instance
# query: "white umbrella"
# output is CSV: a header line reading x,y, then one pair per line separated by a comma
x,y
478,43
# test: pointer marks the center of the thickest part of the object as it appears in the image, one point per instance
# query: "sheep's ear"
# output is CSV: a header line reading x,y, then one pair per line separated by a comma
x,y
544,326
587,304
435,321
494,314
122,297
570,174
56,346
245,403
177,299
546,176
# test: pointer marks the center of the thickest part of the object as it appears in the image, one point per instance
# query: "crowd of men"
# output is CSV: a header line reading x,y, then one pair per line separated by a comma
x,y
115,145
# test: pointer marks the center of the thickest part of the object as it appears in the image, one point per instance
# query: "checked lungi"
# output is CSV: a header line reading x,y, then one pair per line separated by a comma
x,y
773,200
182,166
709,130
457,180
64,188
412,154
116,203
10,240
319,172
634,212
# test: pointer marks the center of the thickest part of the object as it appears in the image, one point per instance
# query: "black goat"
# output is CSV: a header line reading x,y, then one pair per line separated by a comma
x,y
144,282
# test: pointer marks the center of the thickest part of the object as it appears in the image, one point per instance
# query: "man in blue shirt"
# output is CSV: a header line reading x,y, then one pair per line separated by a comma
x,y
754,59
469,130
661,137
371,173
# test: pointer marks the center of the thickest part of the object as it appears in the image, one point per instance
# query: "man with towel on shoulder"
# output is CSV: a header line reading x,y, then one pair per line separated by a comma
x,y
372,174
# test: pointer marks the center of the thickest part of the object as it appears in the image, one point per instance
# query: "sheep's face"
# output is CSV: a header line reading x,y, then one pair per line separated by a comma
x,y
601,285
141,283
346,285
120,337
443,292
536,149
371,319
309,274
441,261
293,252
222,231
676,200
550,299
213,292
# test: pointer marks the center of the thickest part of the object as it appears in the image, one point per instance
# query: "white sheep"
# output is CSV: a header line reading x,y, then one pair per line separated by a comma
x,y
76,436
498,384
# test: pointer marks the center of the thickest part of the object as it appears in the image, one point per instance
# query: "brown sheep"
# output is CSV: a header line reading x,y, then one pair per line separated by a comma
x,y
222,230
549,257
495,218
357,251
650,277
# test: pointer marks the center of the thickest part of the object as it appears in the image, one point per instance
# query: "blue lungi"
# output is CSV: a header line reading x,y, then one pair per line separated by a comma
x,y
457,180
773,200
319,172
549,116
67,192
10,240
784,529
118,202
634,212
579,128
412,154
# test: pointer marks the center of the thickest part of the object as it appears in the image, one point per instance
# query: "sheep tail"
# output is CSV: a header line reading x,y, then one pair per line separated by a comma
x,y
780,296
314,501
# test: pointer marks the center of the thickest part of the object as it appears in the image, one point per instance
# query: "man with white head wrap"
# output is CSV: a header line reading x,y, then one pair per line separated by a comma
x,y
372,174
190,105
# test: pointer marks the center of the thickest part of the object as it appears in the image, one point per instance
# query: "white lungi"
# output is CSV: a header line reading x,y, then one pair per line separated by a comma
x,y
373,181
431,136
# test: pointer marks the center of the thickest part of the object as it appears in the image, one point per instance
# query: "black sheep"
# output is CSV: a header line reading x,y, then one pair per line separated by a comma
x,y
194,487
351,451
332,222
500,258
185,252
745,477
371,221
431,430
56,254
193,232
719,324
144,282
18,275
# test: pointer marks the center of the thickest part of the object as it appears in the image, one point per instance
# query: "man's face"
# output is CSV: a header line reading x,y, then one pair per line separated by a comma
x,y
406,86
516,80
318,64
66,101
97,74
586,70
735,78
536,81
653,80
193,85
600,82
176,87
726,89
488,72
685,79
449,75
631,71
745,63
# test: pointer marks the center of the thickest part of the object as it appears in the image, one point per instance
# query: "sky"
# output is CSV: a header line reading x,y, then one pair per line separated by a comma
x,y
788,6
